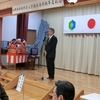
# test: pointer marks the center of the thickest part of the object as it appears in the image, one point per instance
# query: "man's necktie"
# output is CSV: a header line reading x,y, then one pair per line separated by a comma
x,y
49,39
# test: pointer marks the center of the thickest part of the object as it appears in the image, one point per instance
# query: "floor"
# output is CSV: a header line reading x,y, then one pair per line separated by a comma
x,y
88,83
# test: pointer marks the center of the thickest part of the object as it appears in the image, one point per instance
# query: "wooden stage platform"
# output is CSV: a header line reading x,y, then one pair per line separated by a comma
x,y
88,83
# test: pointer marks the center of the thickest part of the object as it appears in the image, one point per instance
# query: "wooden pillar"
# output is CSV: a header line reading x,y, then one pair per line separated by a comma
x,y
0,39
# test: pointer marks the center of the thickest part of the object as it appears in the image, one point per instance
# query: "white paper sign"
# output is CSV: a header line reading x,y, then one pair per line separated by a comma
x,y
82,24
93,96
37,5
20,82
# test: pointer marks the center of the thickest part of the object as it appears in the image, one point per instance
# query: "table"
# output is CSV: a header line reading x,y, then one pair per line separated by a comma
x,y
32,59
15,58
4,51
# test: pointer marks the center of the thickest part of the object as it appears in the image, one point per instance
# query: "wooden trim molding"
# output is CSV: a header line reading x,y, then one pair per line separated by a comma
x,y
5,12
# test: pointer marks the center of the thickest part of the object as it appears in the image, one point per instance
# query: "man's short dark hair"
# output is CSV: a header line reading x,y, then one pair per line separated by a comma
x,y
66,89
52,29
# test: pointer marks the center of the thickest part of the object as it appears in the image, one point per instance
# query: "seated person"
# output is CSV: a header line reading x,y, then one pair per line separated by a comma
x,y
3,95
64,90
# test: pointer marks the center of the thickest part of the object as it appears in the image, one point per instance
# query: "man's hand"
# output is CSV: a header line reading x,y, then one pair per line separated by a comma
x,y
45,52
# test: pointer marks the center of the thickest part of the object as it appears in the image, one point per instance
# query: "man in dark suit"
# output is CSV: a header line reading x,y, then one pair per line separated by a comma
x,y
50,52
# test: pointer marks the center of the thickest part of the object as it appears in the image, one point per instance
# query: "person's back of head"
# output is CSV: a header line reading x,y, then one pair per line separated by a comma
x,y
64,90
3,95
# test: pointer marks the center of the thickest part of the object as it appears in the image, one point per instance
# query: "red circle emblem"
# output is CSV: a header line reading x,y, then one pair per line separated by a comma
x,y
91,23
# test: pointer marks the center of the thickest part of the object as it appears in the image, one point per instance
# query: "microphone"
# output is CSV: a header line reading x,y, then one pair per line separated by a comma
x,y
46,36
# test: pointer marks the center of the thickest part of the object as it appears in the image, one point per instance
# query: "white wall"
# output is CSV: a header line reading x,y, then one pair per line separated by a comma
x,y
8,32
9,28
9,25
34,20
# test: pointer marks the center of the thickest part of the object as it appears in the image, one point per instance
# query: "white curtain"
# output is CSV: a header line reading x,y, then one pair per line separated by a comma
x,y
80,53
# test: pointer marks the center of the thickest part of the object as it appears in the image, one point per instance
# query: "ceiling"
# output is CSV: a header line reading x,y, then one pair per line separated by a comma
x,y
9,3
5,5
4,1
